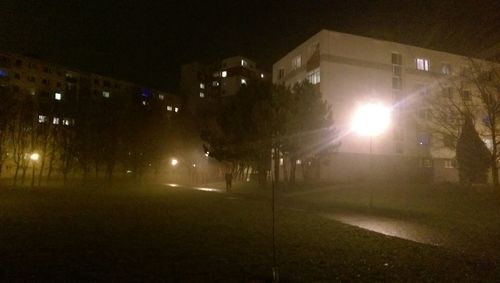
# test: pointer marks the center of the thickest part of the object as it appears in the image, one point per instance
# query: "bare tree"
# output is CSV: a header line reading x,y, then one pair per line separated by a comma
x,y
473,93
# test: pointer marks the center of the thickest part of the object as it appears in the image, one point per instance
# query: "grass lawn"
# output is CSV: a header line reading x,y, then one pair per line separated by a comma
x,y
175,235
471,216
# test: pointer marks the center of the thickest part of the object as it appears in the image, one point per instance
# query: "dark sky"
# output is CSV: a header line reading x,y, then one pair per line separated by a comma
x,y
147,41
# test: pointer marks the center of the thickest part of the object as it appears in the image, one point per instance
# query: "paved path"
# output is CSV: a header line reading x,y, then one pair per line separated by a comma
x,y
393,227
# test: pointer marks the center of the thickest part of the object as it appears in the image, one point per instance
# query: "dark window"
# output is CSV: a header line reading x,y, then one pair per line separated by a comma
x,y
397,59
17,76
396,83
281,73
19,63
399,148
448,92
396,70
426,162
466,95
106,84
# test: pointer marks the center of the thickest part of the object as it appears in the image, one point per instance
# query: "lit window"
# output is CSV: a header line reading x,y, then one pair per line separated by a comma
x,y
261,76
105,94
215,83
144,103
297,62
42,118
422,64
281,161
161,96
243,81
67,121
202,85
57,96
298,162
446,69
169,108
224,74
55,121
244,63
314,77
202,95
176,109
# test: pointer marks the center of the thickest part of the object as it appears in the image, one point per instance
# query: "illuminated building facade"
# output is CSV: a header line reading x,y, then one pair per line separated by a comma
x,y
352,70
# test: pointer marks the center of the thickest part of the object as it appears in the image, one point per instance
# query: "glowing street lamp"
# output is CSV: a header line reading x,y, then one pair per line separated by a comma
x,y
371,120
34,157
174,162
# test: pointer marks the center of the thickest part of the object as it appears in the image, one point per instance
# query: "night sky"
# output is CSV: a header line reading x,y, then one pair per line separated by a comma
x,y
147,41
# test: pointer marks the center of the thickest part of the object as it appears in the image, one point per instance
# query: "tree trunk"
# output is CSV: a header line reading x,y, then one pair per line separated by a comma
x,y
16,174
51,165
494,172
23,175
276,165
293,169
40,172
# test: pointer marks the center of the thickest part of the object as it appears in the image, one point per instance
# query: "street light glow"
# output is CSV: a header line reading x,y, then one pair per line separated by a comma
x,y
371,119
174,162
35,156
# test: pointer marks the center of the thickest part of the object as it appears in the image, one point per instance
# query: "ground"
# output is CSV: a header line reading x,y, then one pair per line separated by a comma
x,y
177,234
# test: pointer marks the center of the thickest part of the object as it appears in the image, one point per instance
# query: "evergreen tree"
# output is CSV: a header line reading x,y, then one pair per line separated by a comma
x,y
472,155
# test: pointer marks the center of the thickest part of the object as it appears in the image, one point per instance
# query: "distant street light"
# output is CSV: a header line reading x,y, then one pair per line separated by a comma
x,y
34,157
174,162
207,154
371,120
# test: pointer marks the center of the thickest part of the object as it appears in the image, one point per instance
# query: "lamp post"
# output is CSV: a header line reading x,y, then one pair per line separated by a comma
x,y
370,120
34,158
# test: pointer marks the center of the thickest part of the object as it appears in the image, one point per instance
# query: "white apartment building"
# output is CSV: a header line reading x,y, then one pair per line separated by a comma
x,y
352,70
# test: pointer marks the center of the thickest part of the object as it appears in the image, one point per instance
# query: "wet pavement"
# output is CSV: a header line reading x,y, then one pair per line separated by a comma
x,y
392,227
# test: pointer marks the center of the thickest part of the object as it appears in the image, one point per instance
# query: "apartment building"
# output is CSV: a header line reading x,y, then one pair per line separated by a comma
x,y
202,84
350,71
58,91
27,75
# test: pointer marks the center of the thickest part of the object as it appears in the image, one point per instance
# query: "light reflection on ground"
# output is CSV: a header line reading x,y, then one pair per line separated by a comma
x,y
194,188
391,227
